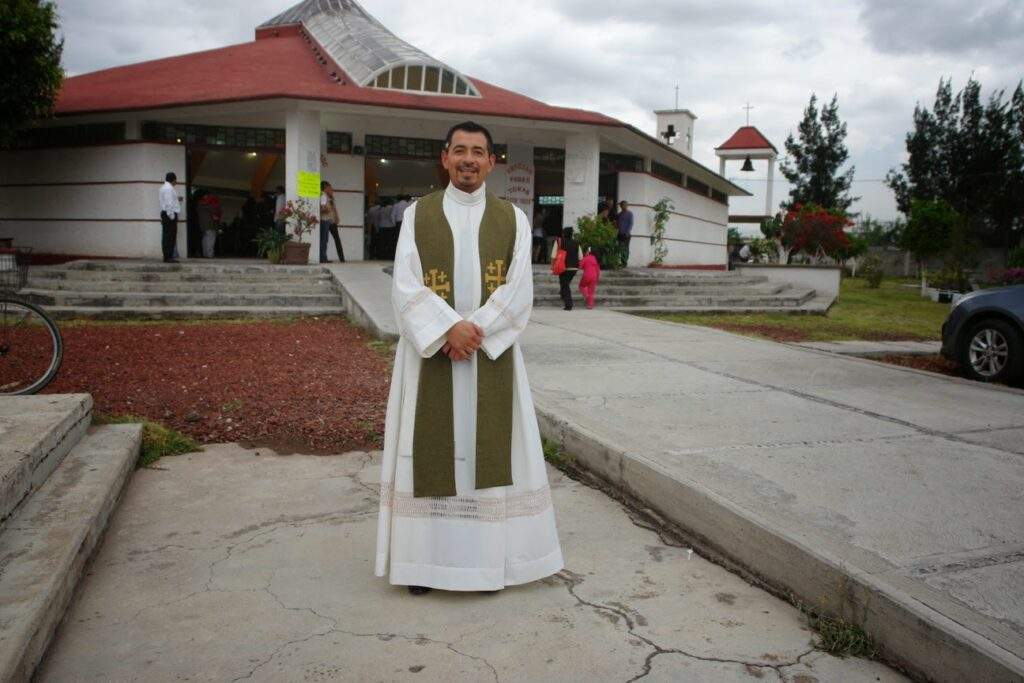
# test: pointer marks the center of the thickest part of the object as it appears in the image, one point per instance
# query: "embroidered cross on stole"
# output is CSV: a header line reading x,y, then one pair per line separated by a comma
x,y
433,444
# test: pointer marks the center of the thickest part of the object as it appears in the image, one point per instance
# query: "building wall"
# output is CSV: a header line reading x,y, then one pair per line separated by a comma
x,y
89,201
696,230
345,174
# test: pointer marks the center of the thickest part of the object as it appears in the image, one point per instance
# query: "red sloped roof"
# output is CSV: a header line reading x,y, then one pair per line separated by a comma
x,y
271,68
747,137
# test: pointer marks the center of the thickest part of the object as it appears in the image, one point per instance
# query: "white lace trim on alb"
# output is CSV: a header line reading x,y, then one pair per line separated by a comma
x,y
525,504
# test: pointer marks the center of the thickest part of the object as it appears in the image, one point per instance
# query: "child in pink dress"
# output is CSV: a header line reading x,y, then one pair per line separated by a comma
x,y
591,274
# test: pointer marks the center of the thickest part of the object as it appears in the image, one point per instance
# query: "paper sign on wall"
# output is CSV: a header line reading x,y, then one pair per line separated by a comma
x,y
309,184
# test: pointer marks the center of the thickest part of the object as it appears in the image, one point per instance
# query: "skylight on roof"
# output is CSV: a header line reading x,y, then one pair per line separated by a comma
x,y
369,53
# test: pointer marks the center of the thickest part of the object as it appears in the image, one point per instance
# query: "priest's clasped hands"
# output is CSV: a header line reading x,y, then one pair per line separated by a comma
x,y
462,340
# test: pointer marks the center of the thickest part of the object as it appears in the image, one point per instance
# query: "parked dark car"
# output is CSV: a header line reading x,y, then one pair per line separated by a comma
x,y
984,333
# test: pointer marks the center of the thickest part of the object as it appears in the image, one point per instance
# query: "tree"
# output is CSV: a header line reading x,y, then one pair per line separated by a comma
x,y
30,72
816,231
929,229
813,162
971,155
877,233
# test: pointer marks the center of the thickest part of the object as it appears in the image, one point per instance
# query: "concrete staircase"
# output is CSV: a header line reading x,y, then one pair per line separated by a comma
x,y
60,481
648,290
135,289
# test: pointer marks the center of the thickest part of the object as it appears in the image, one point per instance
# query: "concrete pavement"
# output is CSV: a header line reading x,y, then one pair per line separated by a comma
x,y
890,496
235,564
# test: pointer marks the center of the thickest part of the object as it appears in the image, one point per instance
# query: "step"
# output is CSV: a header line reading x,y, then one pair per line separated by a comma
x,y
666,281
263,286
796,298
77,299
64,274
657,290
192,312
36,433
46,544
198,266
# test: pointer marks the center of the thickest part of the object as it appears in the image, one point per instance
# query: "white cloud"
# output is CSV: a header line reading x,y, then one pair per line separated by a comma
x,y
625,58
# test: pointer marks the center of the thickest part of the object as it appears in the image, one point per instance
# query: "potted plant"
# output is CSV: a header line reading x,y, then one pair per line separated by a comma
x,y
302,220
270,243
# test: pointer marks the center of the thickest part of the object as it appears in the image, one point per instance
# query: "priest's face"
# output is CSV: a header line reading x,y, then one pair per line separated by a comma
x,y
467,160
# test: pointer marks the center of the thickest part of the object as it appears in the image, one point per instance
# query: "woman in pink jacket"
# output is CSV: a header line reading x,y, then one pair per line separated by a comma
x,y
591,274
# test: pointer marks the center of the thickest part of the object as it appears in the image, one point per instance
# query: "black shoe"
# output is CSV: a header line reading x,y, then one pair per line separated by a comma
x,y
419,590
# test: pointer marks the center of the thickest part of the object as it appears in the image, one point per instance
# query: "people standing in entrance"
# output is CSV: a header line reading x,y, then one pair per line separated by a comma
x,y
398,212
209,214
372,220
465,503
280,200
590,277
386,230
572,263
329,222
625,221
170,209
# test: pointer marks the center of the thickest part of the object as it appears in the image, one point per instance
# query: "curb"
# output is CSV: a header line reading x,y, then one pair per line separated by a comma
x,y
911,634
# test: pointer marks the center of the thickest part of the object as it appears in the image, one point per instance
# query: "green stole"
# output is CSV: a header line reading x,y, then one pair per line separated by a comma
x,y
433,442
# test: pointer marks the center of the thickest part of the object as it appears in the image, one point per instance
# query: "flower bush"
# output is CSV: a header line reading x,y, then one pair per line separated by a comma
x,y
816,231
1004,278
299,215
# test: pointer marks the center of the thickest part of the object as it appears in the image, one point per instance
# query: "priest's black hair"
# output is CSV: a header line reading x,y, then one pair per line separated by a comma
x,y
470,127
171,178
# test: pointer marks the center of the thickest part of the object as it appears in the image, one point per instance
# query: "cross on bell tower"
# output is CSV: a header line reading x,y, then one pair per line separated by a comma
x,y
669,134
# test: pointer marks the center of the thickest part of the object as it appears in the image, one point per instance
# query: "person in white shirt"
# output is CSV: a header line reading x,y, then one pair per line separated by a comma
x,y
386,229
170,209
371,228
398,211
279,204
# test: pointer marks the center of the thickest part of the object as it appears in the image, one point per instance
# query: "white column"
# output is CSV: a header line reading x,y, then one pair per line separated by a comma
x,y
721,166
302,153
582,167
769,210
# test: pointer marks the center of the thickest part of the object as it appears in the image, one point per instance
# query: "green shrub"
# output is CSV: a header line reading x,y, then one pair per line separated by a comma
x,y
871,270
598,233
1016,259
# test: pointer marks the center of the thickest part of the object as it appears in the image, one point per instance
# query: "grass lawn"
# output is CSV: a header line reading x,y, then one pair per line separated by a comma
x,y
891,312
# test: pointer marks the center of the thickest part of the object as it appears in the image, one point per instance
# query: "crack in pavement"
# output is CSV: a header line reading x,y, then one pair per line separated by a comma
x,y
571,580
419,639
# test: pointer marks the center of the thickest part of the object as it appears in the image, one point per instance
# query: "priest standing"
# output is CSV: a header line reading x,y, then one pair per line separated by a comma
x,y
465,503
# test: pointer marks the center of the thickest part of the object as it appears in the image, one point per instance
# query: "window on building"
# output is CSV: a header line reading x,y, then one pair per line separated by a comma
x,y
423,78
666,173
613,163
720,197
697,186
398,78
414,78
71,136
339,143
431,77
236,137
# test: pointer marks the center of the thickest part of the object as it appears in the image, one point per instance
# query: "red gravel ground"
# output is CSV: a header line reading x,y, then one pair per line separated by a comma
x,y
314,386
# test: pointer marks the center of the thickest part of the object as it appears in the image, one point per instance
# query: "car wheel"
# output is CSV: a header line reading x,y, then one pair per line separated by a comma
x,y
992,352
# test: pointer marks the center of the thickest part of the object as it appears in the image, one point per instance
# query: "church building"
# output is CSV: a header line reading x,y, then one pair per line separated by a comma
x,y
325,91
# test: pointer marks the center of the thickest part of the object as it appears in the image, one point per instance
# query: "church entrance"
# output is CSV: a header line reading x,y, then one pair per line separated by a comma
x,y
240,186
391,181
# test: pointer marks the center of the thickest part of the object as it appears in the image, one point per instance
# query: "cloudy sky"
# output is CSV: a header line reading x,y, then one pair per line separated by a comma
x,y
625,58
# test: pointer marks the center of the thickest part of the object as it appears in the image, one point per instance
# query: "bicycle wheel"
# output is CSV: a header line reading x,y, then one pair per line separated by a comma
x,y
30,348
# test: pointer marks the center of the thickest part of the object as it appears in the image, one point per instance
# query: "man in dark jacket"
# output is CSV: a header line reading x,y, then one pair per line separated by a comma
x,y
572,264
